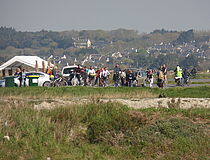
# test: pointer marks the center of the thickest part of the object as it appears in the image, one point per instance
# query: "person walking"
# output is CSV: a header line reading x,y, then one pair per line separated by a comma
x,y
24,77
18,74
130,78
78,73
160,78
54,72
116,76
178,75
150,77
18,70
91,75
97,79
20,77
104,75
164,70
186,77
123,78
84,75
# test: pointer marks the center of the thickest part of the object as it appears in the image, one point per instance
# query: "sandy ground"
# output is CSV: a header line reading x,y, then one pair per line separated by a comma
x,y
184,103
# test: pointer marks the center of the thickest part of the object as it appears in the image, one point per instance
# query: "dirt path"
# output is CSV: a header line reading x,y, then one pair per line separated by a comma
x,y
184,103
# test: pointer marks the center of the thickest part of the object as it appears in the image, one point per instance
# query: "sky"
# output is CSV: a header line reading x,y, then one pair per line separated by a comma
x,y
140,15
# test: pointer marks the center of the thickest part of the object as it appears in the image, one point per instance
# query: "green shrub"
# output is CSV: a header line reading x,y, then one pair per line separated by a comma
x,y
174,127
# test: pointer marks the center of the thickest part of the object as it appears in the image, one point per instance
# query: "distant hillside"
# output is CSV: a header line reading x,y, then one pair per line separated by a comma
x,y
70,47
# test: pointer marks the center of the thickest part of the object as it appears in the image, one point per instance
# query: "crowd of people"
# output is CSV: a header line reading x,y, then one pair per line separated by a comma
x,y
89,76
161,76
121,77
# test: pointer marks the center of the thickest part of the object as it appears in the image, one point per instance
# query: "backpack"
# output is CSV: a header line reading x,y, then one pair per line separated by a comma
x,y
161,76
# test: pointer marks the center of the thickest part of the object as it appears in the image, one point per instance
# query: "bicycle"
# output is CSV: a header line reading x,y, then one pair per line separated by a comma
x,y
60,81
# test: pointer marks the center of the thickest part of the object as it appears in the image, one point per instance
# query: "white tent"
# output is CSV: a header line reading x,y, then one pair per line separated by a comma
x,y
24,61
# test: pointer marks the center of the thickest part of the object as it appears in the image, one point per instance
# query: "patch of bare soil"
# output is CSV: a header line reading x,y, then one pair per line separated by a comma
x,y
51,105
184,103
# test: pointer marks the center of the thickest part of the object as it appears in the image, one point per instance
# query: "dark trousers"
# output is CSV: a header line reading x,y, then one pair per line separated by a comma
x,y
130,82
71,76
22,80
116,79
91,80
122,81
78,77
97,80
160,83
85,80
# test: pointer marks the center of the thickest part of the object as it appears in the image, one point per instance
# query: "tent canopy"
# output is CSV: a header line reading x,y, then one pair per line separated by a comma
x,y
24,60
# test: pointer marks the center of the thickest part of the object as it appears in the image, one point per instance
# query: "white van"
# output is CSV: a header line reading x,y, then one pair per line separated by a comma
x,y
66,71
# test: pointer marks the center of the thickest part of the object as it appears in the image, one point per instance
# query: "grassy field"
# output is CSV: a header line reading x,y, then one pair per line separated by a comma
x,y
203,76
184,92
100,130
200,75
75,92
103,131
108,92
204,83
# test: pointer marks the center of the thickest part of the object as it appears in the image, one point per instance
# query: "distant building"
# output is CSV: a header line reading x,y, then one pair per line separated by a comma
x,y
117,55
83,43
88,44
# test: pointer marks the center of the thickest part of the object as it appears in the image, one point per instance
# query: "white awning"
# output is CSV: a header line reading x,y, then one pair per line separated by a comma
x,y
24,60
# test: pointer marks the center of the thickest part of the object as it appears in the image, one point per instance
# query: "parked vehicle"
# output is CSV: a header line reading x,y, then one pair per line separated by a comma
x,y
43,79
71,76
66,71
2,83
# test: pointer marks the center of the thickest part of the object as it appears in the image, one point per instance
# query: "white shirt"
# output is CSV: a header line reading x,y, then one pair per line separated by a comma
x,y
91,71
123,74
104,73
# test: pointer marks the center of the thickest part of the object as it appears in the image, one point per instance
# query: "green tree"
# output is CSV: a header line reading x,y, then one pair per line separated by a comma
x,y
185,37
190,61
